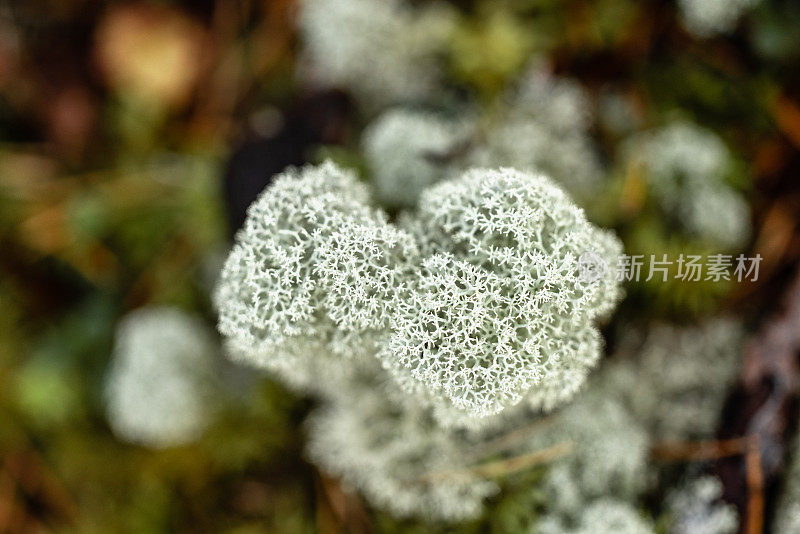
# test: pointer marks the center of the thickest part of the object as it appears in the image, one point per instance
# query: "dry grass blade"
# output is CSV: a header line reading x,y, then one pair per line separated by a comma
x,y
755,487
505,467
502,443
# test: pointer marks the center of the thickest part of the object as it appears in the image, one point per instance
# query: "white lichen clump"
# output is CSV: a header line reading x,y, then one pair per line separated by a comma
x,y
499,311
543,126
311,278
483,308
705,18
407,151
416,333
685,167
383,51
696,508
162,378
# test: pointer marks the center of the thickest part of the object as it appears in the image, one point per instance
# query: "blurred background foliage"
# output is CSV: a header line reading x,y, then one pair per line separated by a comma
x,y
134,134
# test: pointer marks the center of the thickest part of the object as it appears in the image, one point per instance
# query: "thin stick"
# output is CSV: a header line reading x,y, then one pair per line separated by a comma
x,y
505,467
500,443
699,450
345,506
35,478
7,499
755,486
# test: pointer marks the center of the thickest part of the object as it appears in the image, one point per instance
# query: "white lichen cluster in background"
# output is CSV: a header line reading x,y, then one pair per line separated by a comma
x,y
605,516
407,151
609,460
163,378
705,18
542,125
696,508
390,53
675,379
684,167
383,52
395,453
632,404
